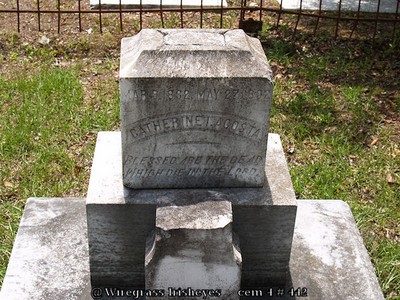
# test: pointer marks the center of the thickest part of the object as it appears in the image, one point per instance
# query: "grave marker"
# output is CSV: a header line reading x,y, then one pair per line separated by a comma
x,y
194,109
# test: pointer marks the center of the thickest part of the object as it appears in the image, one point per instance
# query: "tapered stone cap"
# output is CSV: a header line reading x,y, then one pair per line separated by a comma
x,y
193,53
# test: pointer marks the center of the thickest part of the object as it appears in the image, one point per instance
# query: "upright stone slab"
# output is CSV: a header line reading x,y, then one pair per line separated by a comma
x,y
194,109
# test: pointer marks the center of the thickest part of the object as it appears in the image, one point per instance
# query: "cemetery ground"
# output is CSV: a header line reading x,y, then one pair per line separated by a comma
x,y
336,106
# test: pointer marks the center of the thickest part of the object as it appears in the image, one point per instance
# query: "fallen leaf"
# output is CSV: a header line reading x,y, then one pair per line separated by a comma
x,y
374,142
77,169
44,40
290,149
310,105
389,178
8,184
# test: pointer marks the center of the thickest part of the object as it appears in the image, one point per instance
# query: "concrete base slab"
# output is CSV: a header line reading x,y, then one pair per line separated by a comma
x,y
50,258
328,256
156,3
385,6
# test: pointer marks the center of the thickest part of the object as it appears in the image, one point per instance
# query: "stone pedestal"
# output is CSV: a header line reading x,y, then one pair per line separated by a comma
x,y
120,219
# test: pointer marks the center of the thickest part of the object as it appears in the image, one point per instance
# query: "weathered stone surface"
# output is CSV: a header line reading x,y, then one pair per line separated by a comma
x,y
50,260
263,218
192,252
156,3
117,237
194,109
328,257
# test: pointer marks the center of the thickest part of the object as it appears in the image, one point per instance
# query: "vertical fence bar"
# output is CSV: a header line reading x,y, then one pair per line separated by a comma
x,y
261,8
18,18
161,14
80,15
38,14
318,18
181,13
338,19
141,15
376,19
280,14
100,19
298,18
242,4
58,16
395,22
357,18
201,13
221,14
120,16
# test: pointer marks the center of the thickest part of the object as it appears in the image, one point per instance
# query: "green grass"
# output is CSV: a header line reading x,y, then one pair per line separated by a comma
x,y
44,126
336,107
330,122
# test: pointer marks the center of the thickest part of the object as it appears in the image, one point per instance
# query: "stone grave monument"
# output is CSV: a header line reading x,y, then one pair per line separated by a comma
x,y
193,198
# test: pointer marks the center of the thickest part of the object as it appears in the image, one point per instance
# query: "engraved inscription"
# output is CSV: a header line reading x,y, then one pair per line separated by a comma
x,y
197,121
217,172
200,93
193,166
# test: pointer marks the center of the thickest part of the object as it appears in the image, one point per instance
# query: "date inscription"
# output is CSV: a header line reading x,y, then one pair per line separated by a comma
x,y
196,94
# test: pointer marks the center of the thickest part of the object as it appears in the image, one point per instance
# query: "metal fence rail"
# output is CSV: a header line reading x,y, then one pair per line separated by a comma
x,y
32,15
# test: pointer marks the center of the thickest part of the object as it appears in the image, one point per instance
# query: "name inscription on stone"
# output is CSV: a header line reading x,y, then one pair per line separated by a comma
x,y
234,125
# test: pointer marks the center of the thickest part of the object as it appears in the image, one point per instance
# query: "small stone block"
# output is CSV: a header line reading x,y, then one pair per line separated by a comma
x,y
194,109
192,253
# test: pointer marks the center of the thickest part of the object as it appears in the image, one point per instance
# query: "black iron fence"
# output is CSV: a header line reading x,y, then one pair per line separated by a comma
x,y
345,18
